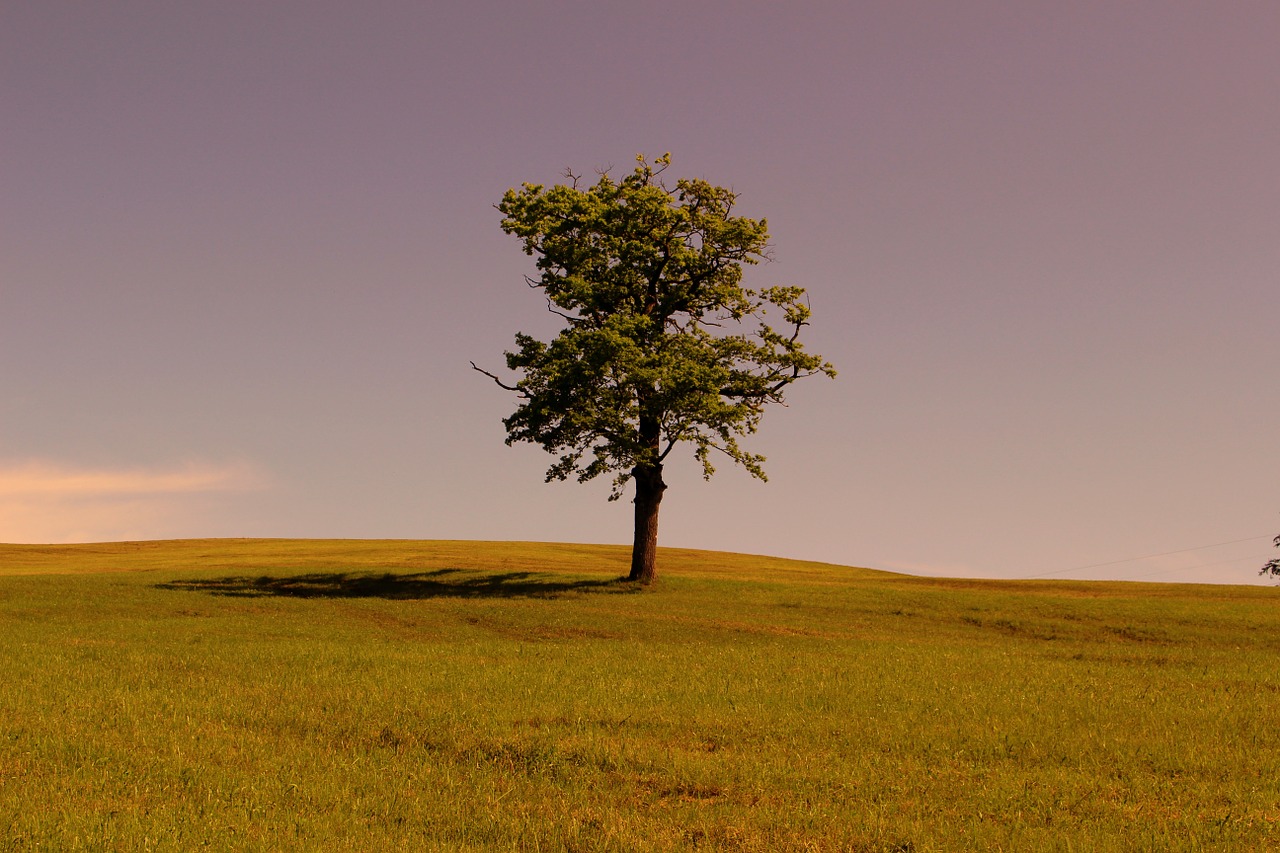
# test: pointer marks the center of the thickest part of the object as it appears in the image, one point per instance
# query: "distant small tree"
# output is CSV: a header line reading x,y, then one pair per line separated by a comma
x,y
1272,568
647,278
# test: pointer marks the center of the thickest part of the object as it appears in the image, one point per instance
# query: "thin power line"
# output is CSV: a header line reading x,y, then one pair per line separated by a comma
x,y
1258,560
1147,557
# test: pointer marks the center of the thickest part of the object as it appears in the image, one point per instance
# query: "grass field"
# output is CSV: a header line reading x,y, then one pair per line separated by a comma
x,y
385,696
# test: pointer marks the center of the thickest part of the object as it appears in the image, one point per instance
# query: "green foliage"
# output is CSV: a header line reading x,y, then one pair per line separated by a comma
x,y
1272,568
662,343
446,696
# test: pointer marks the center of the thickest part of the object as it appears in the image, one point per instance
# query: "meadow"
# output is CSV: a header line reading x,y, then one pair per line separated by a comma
x,y
470,696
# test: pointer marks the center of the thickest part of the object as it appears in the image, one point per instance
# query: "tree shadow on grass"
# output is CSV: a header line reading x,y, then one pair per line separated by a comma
x,y
440,583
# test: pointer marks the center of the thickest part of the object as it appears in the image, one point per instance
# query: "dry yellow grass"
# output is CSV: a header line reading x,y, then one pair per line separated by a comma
x,y
354,695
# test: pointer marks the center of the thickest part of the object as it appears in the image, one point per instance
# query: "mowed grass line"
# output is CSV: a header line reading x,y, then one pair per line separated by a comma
x,y
356,695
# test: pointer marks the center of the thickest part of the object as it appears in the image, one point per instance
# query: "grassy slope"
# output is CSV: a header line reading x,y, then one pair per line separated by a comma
x,y
278,694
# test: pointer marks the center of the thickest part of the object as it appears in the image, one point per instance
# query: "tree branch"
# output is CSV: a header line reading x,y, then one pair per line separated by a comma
x,y
500,383
572,319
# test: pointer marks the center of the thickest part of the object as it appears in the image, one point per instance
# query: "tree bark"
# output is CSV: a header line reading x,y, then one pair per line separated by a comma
x,y
644,549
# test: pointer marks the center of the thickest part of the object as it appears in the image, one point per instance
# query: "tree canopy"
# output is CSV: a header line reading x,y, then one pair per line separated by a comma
x,y
1272,568
662,344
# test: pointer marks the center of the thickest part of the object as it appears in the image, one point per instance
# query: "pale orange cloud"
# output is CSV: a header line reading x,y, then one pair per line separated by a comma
x,y
33,478
43,501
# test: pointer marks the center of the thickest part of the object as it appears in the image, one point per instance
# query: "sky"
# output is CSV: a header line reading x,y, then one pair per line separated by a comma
x,y
248,250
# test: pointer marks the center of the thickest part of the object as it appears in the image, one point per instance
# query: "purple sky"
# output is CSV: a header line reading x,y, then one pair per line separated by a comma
x,y
247,250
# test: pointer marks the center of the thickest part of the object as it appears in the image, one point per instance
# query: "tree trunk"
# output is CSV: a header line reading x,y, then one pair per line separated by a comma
x,y
644,549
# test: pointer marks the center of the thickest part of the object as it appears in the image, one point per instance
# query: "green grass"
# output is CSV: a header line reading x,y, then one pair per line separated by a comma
x,y
353,695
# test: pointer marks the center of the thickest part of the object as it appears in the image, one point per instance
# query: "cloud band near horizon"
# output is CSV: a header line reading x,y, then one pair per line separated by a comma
x,y
48,501
42,478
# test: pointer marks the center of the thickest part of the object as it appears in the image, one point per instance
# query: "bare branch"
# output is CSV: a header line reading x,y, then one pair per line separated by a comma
x,y
501,384
561,314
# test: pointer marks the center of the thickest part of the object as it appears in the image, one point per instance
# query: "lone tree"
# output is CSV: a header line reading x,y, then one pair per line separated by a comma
x,y
661,344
